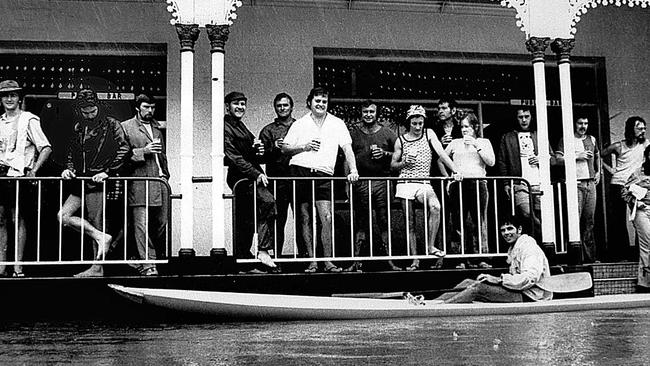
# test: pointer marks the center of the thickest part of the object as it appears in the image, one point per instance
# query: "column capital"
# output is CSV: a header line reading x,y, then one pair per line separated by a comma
x,y
563,47
537,46
218,36
187,35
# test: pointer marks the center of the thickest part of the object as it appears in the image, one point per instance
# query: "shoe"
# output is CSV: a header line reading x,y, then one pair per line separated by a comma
x,y
461,266
437,264
484,265
4,275
18,275
333,269
393,267
413,267
355,267
313,267
151,271
437,253
256,271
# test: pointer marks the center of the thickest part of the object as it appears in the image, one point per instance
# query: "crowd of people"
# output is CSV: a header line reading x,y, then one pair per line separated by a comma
x,y
301,156
450,147
100,147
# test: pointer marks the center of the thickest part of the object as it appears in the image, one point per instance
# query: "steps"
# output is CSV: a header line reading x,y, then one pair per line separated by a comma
x,y
614,278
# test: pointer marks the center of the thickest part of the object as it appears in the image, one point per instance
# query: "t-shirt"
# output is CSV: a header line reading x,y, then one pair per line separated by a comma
x,y
333,133
36,139
526,150
384,138
467,158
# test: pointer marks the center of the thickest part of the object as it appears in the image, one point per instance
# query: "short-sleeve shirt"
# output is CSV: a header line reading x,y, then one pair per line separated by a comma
x,y
36,139
384,138
467,159
333,133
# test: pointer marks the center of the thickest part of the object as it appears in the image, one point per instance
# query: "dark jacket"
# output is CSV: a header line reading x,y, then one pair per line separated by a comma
x,y
241,159
97,146
509,158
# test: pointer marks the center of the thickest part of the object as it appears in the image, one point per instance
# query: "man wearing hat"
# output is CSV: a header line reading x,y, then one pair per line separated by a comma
x,y
23,151
412,158
243,157
96,150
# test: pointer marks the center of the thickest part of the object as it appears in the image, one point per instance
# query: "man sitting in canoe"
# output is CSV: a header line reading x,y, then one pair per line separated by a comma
x,y
528,268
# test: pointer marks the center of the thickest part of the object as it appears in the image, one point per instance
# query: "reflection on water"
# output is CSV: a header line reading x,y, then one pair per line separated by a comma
x,y
589,338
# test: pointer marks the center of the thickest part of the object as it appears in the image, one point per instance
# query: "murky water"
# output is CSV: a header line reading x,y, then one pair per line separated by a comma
x,y
589,338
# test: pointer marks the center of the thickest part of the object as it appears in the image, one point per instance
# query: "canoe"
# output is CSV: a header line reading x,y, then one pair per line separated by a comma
x,y
235,305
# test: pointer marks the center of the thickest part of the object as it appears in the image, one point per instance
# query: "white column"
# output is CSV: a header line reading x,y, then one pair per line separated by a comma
x,y
218,35
563,48
187,35
537,46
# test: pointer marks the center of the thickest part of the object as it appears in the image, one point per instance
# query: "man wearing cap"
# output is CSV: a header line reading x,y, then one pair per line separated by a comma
x,y
148,200
243,157
97,150
23,151
313,142
412,158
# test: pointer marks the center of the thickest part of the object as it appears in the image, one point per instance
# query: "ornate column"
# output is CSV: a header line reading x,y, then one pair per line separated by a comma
x,y
218,35
187,35
562,47
537,46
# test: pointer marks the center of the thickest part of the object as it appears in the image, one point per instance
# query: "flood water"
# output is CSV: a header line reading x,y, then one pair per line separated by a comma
x,y
586,338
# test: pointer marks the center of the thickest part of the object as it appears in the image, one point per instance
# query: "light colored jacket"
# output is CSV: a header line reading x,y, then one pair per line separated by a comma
x,y
528,266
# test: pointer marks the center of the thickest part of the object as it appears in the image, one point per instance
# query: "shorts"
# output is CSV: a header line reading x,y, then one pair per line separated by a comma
x,y
8,190
411,191
322,187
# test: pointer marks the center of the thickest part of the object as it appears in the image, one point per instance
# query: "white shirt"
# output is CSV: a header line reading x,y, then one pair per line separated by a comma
x,y
526,150
332,134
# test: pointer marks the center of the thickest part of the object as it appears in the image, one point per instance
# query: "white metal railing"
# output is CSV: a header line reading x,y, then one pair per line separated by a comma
x,y
342,202
48,242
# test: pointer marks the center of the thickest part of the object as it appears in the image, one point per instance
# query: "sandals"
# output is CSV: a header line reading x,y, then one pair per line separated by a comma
x,y
413,267
484,265
355,267
313,267
333,269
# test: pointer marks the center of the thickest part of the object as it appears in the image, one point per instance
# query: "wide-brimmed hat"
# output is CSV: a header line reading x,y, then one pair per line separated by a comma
x,y
416,110
7,86
234,96
86,98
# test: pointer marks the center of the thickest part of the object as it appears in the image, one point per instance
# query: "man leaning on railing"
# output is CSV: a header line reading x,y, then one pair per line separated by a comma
x,y
23,150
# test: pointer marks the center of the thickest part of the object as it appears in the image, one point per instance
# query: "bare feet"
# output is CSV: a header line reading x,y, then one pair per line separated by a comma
x,y
266,259
93,271
103,246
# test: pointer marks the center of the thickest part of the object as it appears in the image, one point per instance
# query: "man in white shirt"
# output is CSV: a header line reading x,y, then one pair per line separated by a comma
x,y
23,151
528,268
313,142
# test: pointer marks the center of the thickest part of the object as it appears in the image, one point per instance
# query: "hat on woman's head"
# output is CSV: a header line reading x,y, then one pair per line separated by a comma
x,y
86,98
416,110
7,86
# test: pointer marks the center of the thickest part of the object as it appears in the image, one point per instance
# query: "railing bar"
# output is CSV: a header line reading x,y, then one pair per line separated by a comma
x,y
275,222
332,215
38,222
390,223
512,197
146,220
16,222
313,220
461,217
352,234
443,210
479,221
408,226
103,219
83,215
370,218
425,212
60,221
256,238
126,190
496,215
295,219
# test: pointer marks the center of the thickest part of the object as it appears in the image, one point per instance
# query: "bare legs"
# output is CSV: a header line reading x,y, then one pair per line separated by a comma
x,y
429,199
20,244
102,240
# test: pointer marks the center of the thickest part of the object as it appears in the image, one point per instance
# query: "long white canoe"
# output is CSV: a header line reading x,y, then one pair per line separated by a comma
x,y
235,305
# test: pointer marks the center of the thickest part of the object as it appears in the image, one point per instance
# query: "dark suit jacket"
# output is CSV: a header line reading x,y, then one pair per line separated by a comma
x,y
144,165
